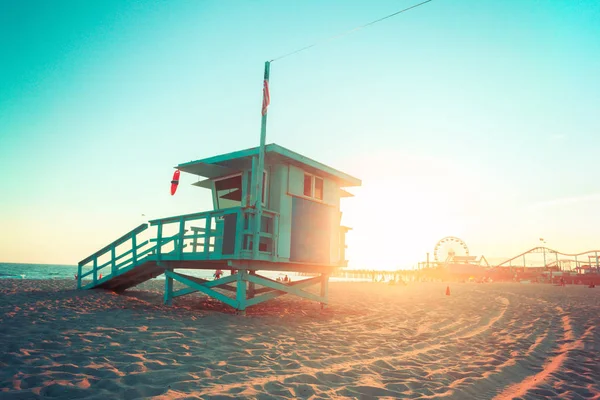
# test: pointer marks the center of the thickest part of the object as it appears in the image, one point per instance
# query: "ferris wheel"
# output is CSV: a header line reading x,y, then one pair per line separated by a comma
x,y
448,248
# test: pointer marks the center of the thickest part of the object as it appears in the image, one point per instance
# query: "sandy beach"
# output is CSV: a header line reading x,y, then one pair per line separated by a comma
x,y
484,341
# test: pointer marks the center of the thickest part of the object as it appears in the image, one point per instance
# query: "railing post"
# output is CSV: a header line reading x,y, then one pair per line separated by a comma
x,y
195,241
79,269
158,240
239,232
113,267
95,280
181,234
207,233
134,249
219,228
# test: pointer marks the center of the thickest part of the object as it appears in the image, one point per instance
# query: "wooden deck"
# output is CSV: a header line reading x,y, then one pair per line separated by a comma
x,y
209,240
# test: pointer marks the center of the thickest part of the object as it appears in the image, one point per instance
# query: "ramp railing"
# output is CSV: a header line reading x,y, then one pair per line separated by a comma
x,y
126,251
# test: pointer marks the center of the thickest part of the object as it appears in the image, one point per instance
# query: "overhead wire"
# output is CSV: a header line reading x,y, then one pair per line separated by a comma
x,y
349,32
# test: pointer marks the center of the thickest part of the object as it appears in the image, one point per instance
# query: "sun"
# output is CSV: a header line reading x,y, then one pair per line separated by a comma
x,y
397,216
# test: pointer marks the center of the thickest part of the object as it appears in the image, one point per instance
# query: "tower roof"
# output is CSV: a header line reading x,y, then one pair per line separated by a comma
x,y
231,163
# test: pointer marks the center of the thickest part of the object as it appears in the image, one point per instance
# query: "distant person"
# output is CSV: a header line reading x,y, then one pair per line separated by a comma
x,y
286,279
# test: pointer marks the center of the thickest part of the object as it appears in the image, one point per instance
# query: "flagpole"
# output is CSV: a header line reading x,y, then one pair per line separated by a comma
x,y
258,175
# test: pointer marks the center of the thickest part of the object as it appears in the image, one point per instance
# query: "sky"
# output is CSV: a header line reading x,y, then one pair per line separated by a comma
x,y
469,118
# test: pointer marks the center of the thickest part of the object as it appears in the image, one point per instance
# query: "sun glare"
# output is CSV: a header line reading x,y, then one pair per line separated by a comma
x,y
400,212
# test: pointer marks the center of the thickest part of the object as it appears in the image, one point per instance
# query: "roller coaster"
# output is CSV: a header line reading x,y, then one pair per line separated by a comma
x,y
538,264
587,261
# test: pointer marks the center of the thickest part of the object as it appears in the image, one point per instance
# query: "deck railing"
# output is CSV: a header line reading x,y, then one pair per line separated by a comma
x,y
210,235
214,235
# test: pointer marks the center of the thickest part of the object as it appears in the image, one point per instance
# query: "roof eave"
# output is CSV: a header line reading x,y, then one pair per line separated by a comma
x,y
201,167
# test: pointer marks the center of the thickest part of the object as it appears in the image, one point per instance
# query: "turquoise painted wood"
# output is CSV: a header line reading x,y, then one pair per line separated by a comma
x,y
271,233
183,292
290,289
202,288
243,278
241,290
276,293
274,149
168,287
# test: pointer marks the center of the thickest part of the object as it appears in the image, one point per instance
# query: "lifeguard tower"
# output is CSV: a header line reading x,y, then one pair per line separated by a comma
x,y
294,224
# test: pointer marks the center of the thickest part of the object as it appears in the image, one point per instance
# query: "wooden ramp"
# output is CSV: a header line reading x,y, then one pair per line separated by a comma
x,y
106,269
129,277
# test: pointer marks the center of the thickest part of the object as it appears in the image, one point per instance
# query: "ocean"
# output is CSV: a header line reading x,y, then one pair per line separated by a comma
x,y
54,271
37,271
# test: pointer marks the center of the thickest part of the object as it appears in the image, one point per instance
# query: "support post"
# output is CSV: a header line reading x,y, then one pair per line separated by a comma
x,y
596,255
168,300
241,291
261,164
324,290
79,269
251,287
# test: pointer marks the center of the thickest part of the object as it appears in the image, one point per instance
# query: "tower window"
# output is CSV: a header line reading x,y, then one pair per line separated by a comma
x,y
318,188
308,185
313,187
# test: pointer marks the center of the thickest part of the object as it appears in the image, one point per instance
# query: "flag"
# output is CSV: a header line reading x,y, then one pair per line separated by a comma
x,y
266,97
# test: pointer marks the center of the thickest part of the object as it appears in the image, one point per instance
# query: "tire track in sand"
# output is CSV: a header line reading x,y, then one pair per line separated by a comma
x,y
552,366
491,322
427,347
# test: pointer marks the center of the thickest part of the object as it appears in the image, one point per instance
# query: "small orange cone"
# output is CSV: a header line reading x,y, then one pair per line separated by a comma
x,y
448,290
